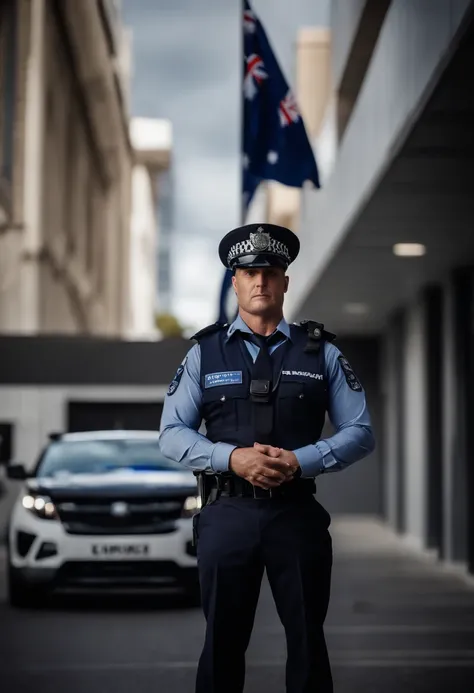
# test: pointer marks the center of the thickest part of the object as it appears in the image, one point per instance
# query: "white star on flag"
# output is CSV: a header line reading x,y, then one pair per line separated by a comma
x,y
272,157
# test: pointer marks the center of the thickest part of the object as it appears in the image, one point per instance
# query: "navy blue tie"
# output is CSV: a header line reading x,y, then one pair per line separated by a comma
x,y
261,386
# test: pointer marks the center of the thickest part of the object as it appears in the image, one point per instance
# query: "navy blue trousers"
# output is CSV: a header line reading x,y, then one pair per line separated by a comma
x,y
239,538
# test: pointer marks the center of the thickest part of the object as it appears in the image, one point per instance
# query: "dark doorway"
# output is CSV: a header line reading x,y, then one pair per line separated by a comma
x,y
6,442
99,416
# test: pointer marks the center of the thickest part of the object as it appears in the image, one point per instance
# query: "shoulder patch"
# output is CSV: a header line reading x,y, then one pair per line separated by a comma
x,y
215,327
351,377
174,384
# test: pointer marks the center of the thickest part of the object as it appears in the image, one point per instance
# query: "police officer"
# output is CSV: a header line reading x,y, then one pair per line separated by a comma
x,y
263,387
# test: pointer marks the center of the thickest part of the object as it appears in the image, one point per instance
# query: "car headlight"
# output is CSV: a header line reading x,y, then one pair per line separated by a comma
x,y
191,506
41,506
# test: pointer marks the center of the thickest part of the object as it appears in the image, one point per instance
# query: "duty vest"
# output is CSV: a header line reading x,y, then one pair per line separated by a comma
x,y
300,388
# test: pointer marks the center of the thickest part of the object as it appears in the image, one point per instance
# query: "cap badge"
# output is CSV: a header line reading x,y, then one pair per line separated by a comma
x,y
260,240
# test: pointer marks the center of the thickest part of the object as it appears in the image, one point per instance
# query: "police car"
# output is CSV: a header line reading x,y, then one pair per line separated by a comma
x,y
101,509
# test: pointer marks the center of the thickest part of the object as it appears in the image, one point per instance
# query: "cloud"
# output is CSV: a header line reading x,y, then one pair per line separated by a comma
x,y
196,282
209,187
209,209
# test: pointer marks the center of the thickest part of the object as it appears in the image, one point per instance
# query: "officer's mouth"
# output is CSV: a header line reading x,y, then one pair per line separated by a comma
x,y
261,296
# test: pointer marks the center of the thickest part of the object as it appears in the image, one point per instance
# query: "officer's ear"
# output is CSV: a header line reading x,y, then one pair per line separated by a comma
x,y
287,281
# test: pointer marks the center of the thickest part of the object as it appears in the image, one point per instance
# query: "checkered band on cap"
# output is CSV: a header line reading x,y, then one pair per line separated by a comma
x,y
247,248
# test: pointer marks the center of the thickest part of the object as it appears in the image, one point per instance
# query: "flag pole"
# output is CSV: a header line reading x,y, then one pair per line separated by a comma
x,y
241,83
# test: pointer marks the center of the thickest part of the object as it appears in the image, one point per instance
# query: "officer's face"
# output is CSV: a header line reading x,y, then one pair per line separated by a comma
x,y
260,291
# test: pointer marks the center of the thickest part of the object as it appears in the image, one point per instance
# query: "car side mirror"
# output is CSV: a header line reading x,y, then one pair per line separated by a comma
x,y
17,471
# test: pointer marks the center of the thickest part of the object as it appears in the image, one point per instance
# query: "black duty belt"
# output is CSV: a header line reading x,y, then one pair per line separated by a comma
x,y
232,485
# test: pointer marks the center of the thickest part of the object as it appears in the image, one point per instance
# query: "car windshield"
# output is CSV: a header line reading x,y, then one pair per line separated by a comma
x,y
102,457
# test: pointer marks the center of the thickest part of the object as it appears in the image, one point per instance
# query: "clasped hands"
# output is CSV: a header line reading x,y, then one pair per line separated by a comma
x,y
264,465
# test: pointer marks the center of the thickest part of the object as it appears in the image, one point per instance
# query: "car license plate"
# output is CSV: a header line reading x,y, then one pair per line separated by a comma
x,y
117,551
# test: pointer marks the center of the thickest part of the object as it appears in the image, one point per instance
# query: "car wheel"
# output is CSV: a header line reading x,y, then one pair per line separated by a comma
x,y
21,594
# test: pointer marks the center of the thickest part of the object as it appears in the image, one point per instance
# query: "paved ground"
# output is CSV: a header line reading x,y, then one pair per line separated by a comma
x,y
396,623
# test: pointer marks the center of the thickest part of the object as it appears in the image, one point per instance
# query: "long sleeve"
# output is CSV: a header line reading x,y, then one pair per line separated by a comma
x,y
349,415
181,419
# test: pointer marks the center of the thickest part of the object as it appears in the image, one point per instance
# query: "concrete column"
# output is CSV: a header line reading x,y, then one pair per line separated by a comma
x,y
313,76
433,312
33,171
455,422
449,421
388,381
392,383
312,89
415,417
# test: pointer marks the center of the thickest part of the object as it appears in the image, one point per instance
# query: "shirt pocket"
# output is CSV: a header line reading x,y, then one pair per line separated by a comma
x,y
291,388
227,403
299,402
306,392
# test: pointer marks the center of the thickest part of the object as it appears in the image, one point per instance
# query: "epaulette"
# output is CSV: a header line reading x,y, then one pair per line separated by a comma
x,y
209,330
316,335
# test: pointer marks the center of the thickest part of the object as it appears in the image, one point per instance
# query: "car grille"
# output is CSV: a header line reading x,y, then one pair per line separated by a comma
x,y
109,517
120,572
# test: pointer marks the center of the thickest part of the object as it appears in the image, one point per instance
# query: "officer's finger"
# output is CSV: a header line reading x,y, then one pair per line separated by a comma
x,y
280,465
266,482
271,473
267,449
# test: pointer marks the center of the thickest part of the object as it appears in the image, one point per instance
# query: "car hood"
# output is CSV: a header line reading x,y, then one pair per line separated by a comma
x,y
125,482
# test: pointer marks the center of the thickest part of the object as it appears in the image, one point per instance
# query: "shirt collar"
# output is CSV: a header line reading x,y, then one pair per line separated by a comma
x,y
240,326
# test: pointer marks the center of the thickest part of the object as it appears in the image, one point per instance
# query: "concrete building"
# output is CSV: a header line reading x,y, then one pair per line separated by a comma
x,y
152,143
78,231
66,163
388,261
312,84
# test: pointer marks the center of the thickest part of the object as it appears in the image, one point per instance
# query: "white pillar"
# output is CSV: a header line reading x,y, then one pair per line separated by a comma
x,y
391,441
415,418
33,170
449,419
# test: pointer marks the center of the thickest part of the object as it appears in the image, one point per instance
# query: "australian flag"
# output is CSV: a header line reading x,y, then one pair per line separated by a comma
x,y
275,145
274,142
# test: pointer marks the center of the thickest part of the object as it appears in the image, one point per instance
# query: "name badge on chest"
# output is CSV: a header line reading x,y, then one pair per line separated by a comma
x,y
224,378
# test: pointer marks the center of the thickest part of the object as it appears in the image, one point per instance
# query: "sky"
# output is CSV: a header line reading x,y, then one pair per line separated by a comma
x,y
186,67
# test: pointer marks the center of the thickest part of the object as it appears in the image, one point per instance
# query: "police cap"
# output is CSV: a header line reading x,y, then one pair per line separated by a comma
x,y
259,245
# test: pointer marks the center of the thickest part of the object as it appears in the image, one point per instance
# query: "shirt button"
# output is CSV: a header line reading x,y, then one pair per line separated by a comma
x,y
301,396
223,398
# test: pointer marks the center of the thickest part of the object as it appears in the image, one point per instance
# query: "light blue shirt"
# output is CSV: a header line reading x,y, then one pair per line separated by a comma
x,y
181,419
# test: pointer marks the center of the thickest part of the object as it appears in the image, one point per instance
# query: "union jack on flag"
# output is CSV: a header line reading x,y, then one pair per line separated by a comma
x,y
254,76
288,110
249,21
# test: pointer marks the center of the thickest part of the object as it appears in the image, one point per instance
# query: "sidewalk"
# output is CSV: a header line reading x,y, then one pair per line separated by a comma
x,y
397,621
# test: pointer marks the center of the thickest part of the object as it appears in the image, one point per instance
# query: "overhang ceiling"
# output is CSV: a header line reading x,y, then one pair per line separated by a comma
x,y
426,196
